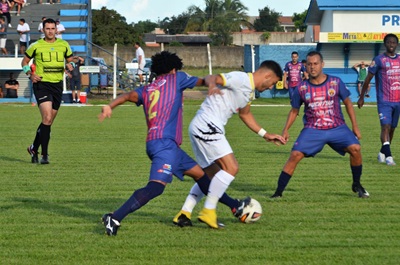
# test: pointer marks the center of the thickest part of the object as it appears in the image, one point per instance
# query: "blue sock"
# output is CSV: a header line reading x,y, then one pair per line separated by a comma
x,y
356,171
138,199
282,182
385,149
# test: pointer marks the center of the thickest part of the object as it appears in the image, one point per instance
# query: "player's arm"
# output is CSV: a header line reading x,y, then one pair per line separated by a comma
x,y
284,79
106,111
364,89
352,115
356,66
212,81
247,117
293,113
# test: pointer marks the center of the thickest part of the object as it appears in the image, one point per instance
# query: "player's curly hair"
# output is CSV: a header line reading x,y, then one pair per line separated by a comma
x,y
165,61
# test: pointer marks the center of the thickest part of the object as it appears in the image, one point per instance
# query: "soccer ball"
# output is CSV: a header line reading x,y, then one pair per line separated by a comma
x,y
252,212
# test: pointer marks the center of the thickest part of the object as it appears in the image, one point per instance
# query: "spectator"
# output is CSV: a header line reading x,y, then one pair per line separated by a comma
x,y
12,86
5,7
75,78
362,70
40,28
3,35
19,3
60,29
141,61
1,91
23,28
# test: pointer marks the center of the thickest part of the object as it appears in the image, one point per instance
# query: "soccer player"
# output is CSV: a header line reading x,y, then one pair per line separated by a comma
x,y
162,105
385,68
229,93
294,72
323,123
49,55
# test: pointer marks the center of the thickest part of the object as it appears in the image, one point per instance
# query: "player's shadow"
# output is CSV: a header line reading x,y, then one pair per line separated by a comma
x,y
13,159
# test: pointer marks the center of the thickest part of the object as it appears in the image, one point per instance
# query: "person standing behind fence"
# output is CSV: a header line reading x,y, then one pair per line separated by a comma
x,y
60,29
141,61
3,36
23,28
385,68
74,75
49,55
40,27
293,73
362,70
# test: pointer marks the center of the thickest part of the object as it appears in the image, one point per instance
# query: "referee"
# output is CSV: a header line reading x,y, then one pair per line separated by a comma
x,y
50,55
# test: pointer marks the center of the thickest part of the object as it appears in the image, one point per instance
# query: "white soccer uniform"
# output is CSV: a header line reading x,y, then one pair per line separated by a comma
x,y
206,130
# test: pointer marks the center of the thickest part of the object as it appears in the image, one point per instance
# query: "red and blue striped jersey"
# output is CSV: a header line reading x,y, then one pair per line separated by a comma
x,y
387,77
321,102
294,73
162,102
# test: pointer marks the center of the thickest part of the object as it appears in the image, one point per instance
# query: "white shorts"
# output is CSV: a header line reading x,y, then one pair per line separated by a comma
x,y
3,43
140,69
208,140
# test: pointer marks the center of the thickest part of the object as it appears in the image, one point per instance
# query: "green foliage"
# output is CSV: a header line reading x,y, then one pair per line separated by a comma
x,y
105,25
299,20
221,17
268,20
175,44
144,27
175,25
52,212
266,36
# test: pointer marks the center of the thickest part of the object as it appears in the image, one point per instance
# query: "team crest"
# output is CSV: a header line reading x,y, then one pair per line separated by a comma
x,y
302,88
307,96
331,92
387,64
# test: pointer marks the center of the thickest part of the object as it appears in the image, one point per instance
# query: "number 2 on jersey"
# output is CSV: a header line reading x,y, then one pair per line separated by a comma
x,y
154,97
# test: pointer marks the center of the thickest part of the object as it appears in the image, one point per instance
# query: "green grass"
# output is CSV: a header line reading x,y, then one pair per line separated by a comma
x,y
51,213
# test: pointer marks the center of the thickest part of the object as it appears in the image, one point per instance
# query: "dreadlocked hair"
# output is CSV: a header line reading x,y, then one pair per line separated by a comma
x,y
164,62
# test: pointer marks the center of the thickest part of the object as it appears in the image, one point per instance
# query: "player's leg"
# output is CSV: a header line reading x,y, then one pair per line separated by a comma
x,y
287,172
389,116
218,185
309,143
356,169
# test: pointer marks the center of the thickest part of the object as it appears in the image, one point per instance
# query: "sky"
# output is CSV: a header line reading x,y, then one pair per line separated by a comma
x,y
154,10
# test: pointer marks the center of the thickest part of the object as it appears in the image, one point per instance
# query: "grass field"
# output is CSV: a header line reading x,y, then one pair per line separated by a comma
x,y
52,212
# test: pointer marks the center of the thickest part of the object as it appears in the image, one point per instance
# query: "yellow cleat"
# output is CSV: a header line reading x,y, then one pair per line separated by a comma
x,y
209,217
182,219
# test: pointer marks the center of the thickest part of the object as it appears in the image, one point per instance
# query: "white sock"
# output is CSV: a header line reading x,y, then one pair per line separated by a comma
x,y
219,183
386,143
195,195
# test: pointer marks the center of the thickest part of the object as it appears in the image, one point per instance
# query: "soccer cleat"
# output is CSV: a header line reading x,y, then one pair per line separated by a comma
x,y
389,161
357,188
110,224
209,217
33,154
276,195
367,95
45,160
182,219
237,212
381,158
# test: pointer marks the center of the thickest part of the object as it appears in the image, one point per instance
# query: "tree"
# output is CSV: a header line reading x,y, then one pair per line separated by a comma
x,y
144,27
221,17
268,20
105,24
175,25
299,20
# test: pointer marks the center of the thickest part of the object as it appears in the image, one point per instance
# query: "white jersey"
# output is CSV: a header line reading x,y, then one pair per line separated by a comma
x,y
238,90
206,131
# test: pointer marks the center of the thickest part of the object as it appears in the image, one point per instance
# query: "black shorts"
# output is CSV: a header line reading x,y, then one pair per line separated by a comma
x,y
45,91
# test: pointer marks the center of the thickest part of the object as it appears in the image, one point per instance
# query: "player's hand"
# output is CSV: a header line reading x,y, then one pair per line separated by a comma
x,y
275,138
360,102
69,67
106,112
357,132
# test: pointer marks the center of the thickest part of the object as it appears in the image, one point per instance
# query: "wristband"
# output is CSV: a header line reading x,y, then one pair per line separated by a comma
x,y
262,132
26,68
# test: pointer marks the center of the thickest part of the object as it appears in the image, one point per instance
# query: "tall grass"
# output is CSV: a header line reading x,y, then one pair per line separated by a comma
x,y
51,213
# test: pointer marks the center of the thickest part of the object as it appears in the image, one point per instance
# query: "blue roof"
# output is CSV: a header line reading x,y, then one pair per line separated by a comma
x,y
316,8
358,5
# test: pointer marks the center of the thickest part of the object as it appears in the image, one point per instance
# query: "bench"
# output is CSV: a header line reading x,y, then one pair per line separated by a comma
x,y
73,12
75,24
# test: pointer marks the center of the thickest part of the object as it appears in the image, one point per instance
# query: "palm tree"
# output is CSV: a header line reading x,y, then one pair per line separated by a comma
x,y
221,17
